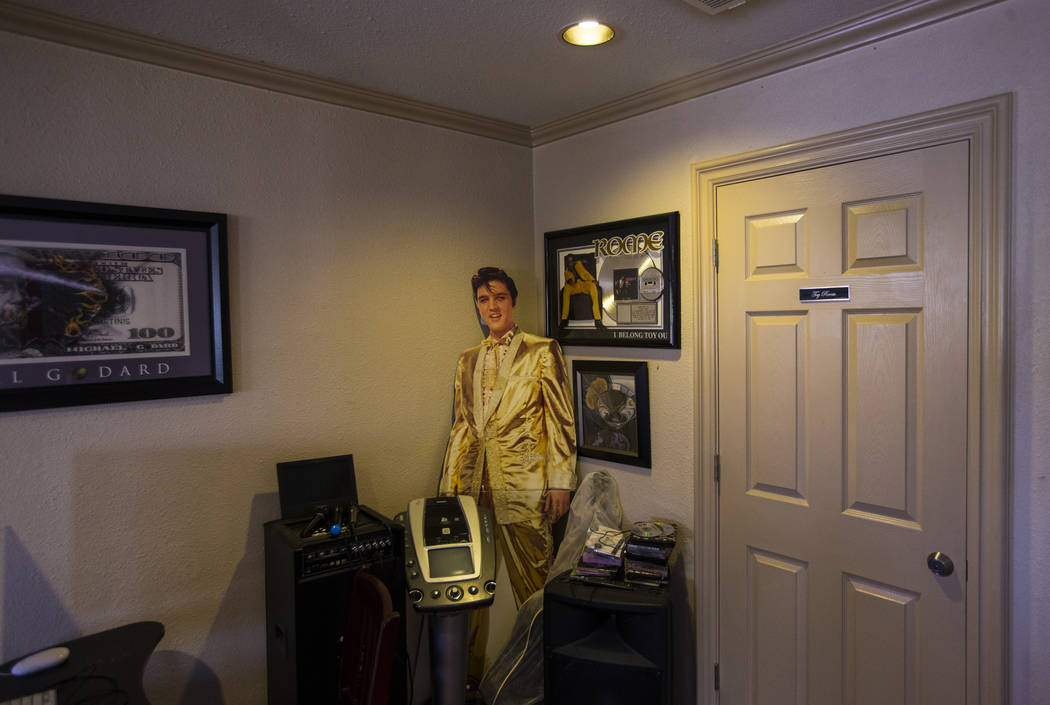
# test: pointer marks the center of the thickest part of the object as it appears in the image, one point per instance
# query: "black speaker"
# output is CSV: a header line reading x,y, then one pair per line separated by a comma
x,y
308,589
606,645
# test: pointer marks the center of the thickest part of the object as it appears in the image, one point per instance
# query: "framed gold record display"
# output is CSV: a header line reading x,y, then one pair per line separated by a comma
x,y
615,284
612,410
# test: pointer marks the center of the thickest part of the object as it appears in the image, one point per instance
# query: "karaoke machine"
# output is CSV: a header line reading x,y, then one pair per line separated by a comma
x,y
450,564
449,554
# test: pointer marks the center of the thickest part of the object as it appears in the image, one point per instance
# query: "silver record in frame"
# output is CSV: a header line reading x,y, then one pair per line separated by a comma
x,y
615,283
620,278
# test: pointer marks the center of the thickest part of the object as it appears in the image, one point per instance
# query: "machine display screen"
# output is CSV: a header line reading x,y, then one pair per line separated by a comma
x,y
450,562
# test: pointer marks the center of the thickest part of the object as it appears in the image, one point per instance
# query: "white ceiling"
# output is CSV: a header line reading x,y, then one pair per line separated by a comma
x,y
503,59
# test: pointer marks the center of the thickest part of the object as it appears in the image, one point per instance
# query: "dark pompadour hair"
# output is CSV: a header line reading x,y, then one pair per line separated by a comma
x,y
494,274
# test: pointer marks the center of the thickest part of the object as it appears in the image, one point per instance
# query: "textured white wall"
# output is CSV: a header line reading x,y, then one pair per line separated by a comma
x,y
642,166
352,239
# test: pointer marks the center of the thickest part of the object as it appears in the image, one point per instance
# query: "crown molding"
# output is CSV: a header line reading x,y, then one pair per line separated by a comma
x,y
859,31
83,34
856,32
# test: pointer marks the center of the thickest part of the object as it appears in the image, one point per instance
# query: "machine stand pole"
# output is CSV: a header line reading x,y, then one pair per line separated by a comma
x,y
448,654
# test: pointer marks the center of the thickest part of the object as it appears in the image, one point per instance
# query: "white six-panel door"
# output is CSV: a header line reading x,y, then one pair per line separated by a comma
x,y
842,432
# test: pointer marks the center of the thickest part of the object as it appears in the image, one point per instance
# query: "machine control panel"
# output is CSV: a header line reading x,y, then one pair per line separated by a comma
x,y
450,559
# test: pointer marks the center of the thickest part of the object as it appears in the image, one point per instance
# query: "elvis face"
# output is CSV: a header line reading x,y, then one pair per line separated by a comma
x,y
496,307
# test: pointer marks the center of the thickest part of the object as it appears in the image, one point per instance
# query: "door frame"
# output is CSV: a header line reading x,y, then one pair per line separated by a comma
x,y
986,125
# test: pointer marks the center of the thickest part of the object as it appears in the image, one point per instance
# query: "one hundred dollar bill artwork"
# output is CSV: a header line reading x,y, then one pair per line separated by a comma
x,y
78,302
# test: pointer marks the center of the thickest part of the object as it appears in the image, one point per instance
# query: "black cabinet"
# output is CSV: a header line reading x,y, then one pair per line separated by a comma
x,y
308,590
606,645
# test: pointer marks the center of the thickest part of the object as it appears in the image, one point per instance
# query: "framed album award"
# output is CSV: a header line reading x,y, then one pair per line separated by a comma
x,y
612,410
615,284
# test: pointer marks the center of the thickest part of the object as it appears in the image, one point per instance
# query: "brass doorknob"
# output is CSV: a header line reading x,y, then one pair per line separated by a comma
x,y
940,564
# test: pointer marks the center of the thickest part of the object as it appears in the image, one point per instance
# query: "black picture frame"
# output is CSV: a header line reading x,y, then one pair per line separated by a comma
x,y
108,303
611,400
627,272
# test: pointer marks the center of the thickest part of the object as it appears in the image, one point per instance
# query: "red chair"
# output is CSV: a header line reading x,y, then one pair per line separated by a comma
x,y
369,643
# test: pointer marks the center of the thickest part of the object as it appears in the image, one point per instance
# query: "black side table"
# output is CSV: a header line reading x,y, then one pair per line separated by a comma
x,y
101,668
607,644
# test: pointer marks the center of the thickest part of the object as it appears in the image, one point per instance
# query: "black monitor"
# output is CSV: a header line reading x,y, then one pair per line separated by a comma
x,y
305,485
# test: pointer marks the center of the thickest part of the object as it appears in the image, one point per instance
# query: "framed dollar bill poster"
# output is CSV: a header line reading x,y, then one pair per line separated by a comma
x,y
103,303
615,283
612,410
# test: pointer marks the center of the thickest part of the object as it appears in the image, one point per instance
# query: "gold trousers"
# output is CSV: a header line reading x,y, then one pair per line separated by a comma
x,y
526,547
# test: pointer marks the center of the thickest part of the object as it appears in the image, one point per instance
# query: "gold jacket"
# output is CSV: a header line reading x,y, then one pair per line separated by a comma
x,y
528,441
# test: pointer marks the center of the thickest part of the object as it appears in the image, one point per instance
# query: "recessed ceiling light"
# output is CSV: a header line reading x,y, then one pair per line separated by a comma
x,y
587,33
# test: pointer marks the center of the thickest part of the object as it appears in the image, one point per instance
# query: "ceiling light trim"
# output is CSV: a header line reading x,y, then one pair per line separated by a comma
x,y
859,31
84,34
853,33
587,34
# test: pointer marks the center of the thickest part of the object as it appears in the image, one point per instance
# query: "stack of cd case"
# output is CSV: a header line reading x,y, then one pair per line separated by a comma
x,y
647,554
602,554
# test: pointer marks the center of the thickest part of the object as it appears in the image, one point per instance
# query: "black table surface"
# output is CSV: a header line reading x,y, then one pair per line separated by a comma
x,y
612,592
104,668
